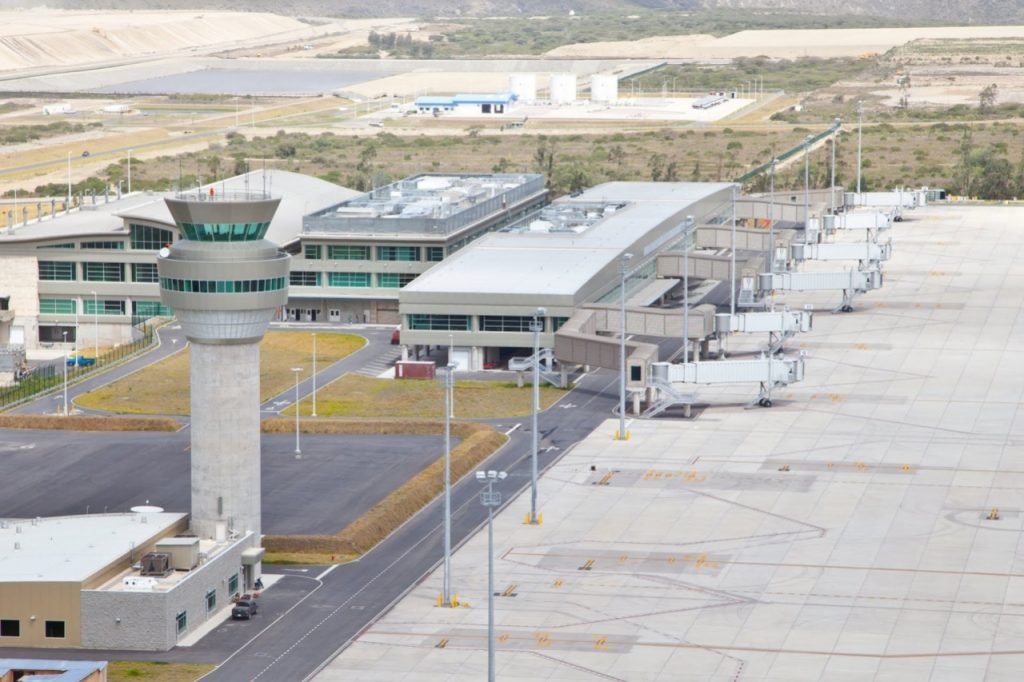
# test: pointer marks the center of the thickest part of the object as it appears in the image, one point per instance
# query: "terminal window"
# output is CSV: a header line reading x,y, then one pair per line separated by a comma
x,y
211,600
54,629
233,585
10,628
402,253
304,279
57,306
445,323
148,309
112,246
103,272
102,307
506,323
144,272
435,253
394,280
56,270
149,238
311,251
348,279
348,252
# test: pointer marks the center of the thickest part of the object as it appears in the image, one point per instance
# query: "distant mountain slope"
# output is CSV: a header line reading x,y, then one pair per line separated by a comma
x,y
960,11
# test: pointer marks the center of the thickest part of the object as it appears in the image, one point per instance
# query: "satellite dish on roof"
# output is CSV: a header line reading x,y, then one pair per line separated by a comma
x,y
147,509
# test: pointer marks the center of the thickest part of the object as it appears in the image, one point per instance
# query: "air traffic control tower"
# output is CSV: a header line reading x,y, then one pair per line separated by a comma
x,y
224,281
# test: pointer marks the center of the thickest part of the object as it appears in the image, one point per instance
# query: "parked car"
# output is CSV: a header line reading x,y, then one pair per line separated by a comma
x,y
80,360
245,608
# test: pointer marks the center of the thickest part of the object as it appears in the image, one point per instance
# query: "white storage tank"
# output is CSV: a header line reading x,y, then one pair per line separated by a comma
x,y
563,88
604,88
523,86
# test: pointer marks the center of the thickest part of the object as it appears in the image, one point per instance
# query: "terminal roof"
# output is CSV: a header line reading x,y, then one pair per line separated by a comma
x,y
563,263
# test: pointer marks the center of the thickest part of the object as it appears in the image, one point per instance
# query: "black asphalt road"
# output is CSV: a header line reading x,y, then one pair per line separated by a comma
x,y
354,595
336,479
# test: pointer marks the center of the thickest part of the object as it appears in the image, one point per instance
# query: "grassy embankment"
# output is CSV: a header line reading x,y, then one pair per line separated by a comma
x,y
163,388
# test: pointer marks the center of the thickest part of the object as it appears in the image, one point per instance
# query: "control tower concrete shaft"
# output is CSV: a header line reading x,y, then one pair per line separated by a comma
x,y
224,281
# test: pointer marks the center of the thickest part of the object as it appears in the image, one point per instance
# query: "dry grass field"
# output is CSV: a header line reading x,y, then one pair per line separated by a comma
x,y
358,396
163,388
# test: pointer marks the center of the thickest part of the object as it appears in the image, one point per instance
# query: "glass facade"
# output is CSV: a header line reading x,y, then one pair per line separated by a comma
x,y
311,251
103,272
557,322
110,246
144,272
148,309
66,245
444,323
224,232
238,286
57,306
56,270
102,307
181,621
348,252
147,238
435,253
304,279
402,253
507,323
348,279
394,280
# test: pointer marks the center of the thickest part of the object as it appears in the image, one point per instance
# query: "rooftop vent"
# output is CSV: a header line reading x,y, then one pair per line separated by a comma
x,y
156,564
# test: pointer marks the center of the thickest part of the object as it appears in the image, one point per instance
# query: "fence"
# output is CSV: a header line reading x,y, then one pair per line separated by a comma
x,y
51,376
793,151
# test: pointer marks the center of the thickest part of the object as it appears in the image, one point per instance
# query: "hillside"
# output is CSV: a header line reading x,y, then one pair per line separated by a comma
x,y
911,11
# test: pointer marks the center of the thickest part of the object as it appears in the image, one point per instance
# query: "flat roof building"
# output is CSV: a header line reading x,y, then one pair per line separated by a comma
x,y
82,581
482,299
353,258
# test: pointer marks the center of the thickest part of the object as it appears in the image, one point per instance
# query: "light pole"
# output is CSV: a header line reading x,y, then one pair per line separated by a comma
x,y
298,450
623,270
65,334
69,181
860,138
449,386
130,170
807,183
771,216
832,180
95,328
490,499
314,374
536,326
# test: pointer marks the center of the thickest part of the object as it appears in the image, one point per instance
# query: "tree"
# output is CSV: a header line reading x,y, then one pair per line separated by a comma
x,y
987,97
544,157
502,166
657,166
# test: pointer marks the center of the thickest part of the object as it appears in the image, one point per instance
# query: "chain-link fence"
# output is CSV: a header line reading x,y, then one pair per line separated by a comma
x,y
50,376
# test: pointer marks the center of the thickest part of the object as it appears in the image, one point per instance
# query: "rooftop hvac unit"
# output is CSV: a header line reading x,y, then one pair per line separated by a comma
x,y
156,564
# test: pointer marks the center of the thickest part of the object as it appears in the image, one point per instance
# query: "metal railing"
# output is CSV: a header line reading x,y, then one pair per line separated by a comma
x,y
793,151
48,377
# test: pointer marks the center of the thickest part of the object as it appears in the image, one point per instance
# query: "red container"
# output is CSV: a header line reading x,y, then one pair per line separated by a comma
x,y
414,369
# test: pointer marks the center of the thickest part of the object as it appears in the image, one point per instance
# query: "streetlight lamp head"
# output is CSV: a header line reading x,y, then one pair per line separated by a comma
x,y
502,475
296,369
627,256
492,474
541,312
481,475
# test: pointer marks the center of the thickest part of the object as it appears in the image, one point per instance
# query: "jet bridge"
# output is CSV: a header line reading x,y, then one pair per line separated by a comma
x,y
767,371
780,325
865,252
850,282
